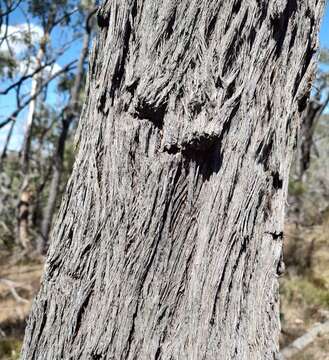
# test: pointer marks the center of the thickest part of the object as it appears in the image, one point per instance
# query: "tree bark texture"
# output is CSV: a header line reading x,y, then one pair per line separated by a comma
x,y
169,238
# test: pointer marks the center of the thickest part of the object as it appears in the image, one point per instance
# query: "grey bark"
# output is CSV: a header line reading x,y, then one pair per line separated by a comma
x,y
169,238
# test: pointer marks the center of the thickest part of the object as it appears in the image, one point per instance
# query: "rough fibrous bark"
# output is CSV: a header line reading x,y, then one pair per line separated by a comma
x,y
169,238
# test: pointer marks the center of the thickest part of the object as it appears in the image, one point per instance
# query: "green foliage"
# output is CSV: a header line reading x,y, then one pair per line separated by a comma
x,y
8,65
10,349
304,290
86,5
65,82
10,183
42,8
296,187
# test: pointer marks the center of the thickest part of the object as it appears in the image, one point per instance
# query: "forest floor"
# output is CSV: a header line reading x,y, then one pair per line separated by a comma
x,y
304,294
18,285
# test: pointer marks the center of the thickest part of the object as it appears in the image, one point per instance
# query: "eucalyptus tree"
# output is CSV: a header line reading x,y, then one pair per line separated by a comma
x,y
168,244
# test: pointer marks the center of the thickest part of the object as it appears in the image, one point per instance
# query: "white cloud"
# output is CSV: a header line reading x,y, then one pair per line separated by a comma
x,y
53,69
17,36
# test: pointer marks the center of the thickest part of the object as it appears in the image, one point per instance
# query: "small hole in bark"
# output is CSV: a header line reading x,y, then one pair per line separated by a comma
x,y
302,103
205,151
103,20
153,113
102,101
96,356
172,149
276,235
277,181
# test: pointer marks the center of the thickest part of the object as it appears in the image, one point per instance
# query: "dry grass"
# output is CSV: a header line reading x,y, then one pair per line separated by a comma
x,y
16,293
305,287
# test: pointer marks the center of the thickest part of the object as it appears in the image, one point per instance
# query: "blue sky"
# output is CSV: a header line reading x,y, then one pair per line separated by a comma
x,y
7,103
324,34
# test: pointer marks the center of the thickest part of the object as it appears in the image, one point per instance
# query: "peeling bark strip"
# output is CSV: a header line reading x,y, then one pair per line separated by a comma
x,y
169,237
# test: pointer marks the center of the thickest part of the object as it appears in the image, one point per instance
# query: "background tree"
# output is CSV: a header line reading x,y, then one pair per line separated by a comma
x,y
69,114
43,126
172,222
313,118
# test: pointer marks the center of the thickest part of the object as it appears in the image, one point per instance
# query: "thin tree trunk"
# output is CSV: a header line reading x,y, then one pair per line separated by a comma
x,y
309,121
6,144
53,189
69,115
169,237
25,193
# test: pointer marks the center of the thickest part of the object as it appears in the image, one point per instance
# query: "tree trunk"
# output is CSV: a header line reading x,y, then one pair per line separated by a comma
x,y
69,115
309,121
25,192
169,237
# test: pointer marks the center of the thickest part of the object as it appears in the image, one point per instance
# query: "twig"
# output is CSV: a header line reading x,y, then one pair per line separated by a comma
x,y
13,116
12,287
302,342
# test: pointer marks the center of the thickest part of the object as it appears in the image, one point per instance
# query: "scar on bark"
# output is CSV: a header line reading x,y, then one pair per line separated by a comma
x,y
103,18
204,149
276,180
152,112
275,235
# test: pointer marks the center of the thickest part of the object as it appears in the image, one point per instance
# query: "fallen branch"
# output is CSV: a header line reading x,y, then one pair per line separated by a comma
x,y
12,287
302,342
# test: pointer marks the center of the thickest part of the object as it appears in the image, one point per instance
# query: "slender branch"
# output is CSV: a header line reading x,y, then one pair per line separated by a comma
x,y
12,288
89,17
10,9
14,114
25,77
65,16
302,342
